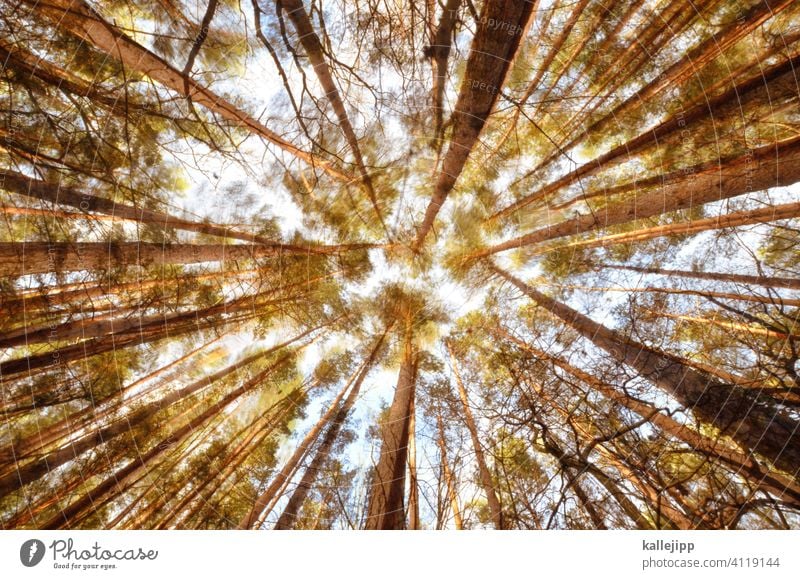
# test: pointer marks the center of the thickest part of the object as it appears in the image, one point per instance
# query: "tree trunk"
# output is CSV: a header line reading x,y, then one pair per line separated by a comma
x,y
449,479
254,436
640,184
660,22
753,421
775,85
271,493
413,482
682,70
768,300
123,320
81,20
485,475
120,480
441,43
77,421
760,328
769,166
696,58
740,463
313,47
61,195
657,507
105,325
588,505
490,58
737,219
22,61
34,470
289,515
554,51
29,514
18,259
386,502
85,294
646,40
238,457
761,280
620,496
570,462
31,149
62,357
155,482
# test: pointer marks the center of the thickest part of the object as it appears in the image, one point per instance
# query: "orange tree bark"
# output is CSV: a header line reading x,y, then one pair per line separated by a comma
x,y
119,481
501,27
487,484
290,512
717,450
31,471
769,166
313,48
61,195
755,422
761,280
772,85
692,62
387,495
17,259
80,19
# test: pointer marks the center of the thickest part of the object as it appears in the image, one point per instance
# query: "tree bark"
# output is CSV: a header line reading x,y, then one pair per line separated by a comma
x,y
449,479
238,457
647,39
658,508
61,195
290,512
717,450
768,300
737,219
254,436
761,280
105,325
18,259
775,85
63,429
81,20
29,472
554,51
441,44
386,502
588,505
483,470
580,465
285,474
769,166
313,48
680,71
25,62
490,58
120,480
753,421
413,481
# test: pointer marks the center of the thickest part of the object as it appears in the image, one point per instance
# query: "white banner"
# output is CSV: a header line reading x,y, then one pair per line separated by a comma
x,y
356,555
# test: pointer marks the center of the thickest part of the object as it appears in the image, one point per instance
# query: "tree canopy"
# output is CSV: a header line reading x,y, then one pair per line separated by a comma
x,y
509,264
